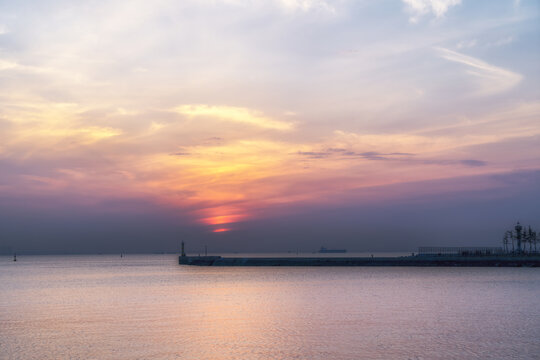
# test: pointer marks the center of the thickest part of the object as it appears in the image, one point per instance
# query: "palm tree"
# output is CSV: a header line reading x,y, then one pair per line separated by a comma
x,y
533,238
530,238
535,241
505,241
513,238
524,240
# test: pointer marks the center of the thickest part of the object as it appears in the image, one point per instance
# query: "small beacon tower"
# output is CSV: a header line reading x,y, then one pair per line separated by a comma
x,y
183,253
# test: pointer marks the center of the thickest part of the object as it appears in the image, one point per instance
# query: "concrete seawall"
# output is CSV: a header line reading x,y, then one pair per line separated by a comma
x,y
486,261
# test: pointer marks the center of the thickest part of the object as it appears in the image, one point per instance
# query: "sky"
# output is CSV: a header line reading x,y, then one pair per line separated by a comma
x,y
250,125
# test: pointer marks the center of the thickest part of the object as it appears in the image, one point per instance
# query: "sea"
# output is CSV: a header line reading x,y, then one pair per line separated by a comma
x,y
149,307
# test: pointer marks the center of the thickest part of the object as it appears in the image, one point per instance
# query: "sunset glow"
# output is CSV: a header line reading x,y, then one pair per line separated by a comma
x,y
269,179
224,219
188,107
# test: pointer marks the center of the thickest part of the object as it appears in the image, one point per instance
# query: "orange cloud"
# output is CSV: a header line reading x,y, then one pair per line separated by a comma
x,y
222,219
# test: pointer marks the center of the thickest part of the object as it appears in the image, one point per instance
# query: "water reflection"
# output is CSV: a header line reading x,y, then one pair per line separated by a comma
x,y
149,307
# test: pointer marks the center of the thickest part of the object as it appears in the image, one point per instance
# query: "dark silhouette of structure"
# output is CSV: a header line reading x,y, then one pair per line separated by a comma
x,y
462,251
519,239
324,250
518,236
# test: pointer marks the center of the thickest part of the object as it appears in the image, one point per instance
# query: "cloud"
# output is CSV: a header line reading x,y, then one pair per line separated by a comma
x,y
6,65
501,42
333,154
466,44
347,154
491,79
307,5
290,6
314,154
473,162
234,114
84,135
419,8
374,155
256,103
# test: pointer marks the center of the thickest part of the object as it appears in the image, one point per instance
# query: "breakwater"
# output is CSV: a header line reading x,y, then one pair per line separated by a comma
x,y
486,261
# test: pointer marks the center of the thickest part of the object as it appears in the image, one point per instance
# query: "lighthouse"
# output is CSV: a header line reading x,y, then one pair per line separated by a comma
x,y
518,228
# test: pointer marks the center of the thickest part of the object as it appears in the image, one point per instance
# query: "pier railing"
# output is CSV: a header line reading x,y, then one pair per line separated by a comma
x,y
463,251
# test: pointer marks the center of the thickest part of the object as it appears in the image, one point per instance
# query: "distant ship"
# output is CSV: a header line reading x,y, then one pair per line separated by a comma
x,y
324,250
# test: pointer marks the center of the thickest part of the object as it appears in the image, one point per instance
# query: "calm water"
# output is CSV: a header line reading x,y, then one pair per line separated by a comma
x,y
148,307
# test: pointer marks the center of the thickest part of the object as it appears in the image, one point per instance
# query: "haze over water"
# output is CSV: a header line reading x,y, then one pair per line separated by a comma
x,y
147,306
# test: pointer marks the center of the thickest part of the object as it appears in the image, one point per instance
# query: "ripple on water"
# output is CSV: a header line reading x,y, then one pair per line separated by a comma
x,y
149,307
